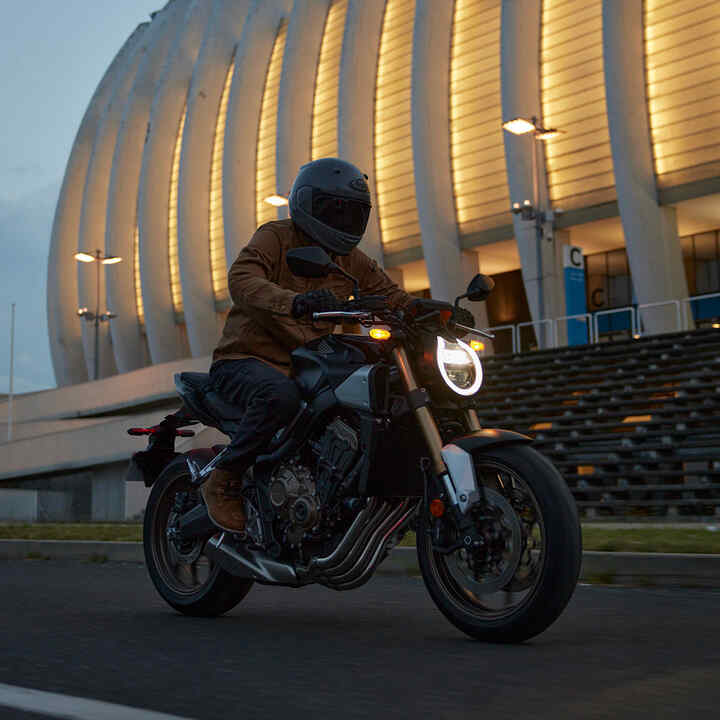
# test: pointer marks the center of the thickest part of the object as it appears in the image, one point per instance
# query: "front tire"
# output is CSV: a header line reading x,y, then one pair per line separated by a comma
x,y
524,575
186,579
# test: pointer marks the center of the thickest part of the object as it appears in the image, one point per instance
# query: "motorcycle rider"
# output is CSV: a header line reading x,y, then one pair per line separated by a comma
x,y
271,315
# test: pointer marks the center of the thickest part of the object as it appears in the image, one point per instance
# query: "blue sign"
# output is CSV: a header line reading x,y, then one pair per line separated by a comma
x,y
575,300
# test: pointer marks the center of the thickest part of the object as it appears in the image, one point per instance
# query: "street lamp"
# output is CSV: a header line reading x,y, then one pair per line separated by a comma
x,y
531,211
276,200
96,317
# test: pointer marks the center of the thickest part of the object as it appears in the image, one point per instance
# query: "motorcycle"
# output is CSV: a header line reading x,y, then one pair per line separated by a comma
x,y
387,440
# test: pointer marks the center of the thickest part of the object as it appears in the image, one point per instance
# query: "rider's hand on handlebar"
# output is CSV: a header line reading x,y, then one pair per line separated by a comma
x,y
464,317
314,301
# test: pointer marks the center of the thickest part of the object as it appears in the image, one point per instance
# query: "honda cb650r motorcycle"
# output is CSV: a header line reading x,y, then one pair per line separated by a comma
x,y
386,441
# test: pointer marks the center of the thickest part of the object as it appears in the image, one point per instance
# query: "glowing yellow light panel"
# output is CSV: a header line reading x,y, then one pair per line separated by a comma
x,y
394,164
477,146
325,103
136,276
267,132
175,289
682,56
579,162
218,263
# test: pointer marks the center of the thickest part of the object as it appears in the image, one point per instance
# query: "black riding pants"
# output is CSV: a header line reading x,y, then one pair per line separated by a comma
x,y
268,400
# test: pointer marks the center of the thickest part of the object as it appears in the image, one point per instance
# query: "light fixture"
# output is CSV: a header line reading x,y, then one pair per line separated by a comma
x,y
716,326
380,334
276,200
519,126
82,312
636,336
82,256
477,345
547,134
111,260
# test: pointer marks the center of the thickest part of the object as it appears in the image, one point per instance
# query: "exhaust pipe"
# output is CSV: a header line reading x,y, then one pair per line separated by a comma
x,y
253,565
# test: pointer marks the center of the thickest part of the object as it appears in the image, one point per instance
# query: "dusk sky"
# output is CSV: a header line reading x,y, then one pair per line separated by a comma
x,y
52,56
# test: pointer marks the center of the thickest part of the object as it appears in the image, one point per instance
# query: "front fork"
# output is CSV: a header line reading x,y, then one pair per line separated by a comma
x,y
460,497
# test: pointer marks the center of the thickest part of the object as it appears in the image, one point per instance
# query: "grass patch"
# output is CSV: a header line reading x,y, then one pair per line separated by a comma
x,y
118,532
645,540
660,540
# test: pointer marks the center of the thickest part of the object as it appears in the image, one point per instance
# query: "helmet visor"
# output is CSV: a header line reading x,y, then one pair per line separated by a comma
x,y
342,214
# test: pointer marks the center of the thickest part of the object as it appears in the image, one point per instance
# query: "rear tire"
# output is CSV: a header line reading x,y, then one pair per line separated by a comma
x,y
187,580
555,568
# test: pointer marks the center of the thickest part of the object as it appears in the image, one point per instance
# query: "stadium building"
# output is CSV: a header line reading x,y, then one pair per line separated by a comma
x,y
211,107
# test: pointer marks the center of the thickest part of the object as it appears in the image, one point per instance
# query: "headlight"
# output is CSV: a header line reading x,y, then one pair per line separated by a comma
x,y
459,366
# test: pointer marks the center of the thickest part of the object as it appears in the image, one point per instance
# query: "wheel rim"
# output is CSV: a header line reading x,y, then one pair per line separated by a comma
x,y
502,576
183,567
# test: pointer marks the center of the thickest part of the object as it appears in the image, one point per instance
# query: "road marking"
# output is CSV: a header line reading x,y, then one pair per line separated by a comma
x,y
71,707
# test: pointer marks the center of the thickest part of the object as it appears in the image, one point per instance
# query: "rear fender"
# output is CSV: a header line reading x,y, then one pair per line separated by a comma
x,y
458,457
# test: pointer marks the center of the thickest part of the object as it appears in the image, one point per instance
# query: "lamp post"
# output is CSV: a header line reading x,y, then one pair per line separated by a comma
x,y
531,211
96,317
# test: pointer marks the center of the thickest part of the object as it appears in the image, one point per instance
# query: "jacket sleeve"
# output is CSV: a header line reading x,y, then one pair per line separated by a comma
x,y
251,276
251,281
373,281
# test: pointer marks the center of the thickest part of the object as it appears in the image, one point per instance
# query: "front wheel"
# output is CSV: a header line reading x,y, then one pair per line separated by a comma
x,y
181,572
516,571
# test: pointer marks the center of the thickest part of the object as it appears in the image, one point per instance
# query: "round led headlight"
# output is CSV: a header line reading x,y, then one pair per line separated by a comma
x,y
459,366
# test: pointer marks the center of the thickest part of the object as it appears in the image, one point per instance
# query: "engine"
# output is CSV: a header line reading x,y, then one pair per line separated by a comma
x,y
306,500
294,496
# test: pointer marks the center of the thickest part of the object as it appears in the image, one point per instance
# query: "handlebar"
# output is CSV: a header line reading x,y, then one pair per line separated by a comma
x,y
343,315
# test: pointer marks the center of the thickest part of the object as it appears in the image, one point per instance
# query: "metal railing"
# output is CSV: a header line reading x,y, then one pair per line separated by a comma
x,y
513,334
540,323
580,316
638,321
615,311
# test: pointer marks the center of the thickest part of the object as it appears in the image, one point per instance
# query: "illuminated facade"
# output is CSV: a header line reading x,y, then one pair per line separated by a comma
x,y
212,106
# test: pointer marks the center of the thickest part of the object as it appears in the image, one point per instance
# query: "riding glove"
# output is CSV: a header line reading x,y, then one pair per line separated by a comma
x,y
314,301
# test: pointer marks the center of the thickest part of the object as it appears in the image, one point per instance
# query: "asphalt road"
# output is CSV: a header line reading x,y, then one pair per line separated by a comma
x,y
383,651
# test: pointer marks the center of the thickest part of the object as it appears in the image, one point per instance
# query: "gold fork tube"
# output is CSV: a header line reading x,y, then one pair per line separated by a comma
x,y
424,416
473,422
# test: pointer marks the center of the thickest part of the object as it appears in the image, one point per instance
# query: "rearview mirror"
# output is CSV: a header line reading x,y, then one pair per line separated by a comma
x,y
309,262
480,287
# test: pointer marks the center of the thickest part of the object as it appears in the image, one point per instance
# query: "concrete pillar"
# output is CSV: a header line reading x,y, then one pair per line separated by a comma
x,y
64,329
297,85
650,230
449,269
358,71
520,80
166,337
128,341
94,213
252,58
202,319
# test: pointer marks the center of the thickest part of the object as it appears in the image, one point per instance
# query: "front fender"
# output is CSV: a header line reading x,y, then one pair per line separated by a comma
x,y
489,438
458,457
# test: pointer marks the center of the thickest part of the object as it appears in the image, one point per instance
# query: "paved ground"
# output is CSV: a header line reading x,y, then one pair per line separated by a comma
x,y
383,651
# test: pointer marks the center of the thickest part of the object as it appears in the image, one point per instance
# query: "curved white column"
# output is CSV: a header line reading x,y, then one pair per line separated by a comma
x,y
252,58
297,84
128,340
650,230
520,79
166,338
202,319
430,130
94,212
65,332
358,71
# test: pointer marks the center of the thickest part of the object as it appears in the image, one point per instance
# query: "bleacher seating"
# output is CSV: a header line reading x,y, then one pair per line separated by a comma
x,y
633,426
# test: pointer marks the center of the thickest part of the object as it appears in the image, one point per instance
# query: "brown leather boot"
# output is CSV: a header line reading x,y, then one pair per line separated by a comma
x,y
221,492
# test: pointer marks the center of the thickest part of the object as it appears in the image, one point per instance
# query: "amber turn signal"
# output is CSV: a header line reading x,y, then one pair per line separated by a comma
x,y
437,508
477,346
380,334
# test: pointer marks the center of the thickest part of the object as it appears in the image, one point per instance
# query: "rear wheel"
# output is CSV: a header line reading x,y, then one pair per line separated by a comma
x,y
185,577
511,576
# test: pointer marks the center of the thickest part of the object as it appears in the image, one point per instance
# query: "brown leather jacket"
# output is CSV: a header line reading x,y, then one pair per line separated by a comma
x,y
262,289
